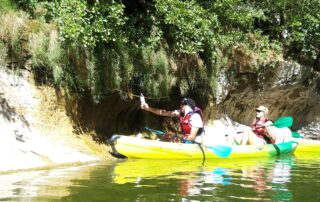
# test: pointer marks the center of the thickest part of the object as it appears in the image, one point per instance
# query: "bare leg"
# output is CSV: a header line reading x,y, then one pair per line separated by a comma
x,y
255,140
251,138
245,137
234,139
238,138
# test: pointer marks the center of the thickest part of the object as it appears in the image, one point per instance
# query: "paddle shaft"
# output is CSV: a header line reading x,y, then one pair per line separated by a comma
x,y
156,131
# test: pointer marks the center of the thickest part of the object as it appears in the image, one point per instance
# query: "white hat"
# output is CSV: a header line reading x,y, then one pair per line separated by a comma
x,y
263,108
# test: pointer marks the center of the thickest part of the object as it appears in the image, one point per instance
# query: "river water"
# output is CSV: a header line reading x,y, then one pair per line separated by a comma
x,y
284,178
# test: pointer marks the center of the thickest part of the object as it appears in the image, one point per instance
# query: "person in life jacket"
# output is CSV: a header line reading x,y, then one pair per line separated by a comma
x,y
258,134
190,116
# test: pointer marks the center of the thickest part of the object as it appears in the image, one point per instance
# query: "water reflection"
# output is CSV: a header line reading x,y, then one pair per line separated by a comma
x,y
48,184
254,176
273,176
281,176
285,178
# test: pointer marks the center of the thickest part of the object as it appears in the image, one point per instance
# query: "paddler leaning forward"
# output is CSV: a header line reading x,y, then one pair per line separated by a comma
x,y
190,116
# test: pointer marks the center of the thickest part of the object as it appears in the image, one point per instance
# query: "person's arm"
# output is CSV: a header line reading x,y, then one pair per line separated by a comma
x,y
196,123
160,112
271,132
268,123
193,134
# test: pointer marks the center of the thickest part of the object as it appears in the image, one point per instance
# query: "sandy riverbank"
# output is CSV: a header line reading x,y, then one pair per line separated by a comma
x,y
35,130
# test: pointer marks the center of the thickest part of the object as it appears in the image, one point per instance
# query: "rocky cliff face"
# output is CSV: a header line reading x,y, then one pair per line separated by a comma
x,y
290,89
287,89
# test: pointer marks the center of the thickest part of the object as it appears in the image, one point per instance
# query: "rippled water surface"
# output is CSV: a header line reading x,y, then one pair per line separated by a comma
x,y
285,178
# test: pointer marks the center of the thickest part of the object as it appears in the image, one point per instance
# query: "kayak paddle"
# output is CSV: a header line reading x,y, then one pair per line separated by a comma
x,y
282,122
221,150
296,134
156,131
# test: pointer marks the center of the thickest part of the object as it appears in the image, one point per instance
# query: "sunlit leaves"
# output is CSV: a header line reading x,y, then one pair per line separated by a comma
x,y
295,23
186,23
90,24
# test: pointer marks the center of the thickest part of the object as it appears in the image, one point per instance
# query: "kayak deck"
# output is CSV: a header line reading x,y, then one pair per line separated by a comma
x,y
307,145
132,147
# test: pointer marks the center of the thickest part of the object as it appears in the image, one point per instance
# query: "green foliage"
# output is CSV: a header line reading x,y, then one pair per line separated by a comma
x,y
3,54
12,25
27,5
235,15
69,74
154,75
52,62
122,69
186,24
42,10
38,48
89,24
56,59
144,29
114,45
42,53
305,33
95,79
105,71
7,5
295,23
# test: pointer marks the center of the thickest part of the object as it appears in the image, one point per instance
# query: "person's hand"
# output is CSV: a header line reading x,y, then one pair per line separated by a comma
x,y
268,123
144,106
190,139
263,126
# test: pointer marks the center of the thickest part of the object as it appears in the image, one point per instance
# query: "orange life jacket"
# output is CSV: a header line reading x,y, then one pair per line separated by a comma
x,y
185,121
259,131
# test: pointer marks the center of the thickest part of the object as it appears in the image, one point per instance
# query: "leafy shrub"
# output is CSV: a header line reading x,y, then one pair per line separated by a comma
x,y
90,23
7,5
186,24
294,23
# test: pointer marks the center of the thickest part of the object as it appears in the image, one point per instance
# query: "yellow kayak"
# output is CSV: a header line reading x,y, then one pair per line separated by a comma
x,y
136,148
306,145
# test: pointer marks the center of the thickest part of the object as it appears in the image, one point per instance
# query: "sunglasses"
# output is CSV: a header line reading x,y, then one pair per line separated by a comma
x,y
259,111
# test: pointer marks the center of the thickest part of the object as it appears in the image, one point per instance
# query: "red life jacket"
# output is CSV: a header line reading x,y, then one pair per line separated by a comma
x,y
185,121
259,131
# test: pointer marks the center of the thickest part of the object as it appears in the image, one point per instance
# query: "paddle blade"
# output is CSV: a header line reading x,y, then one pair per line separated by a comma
x,y
221,151
296,134
282,122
